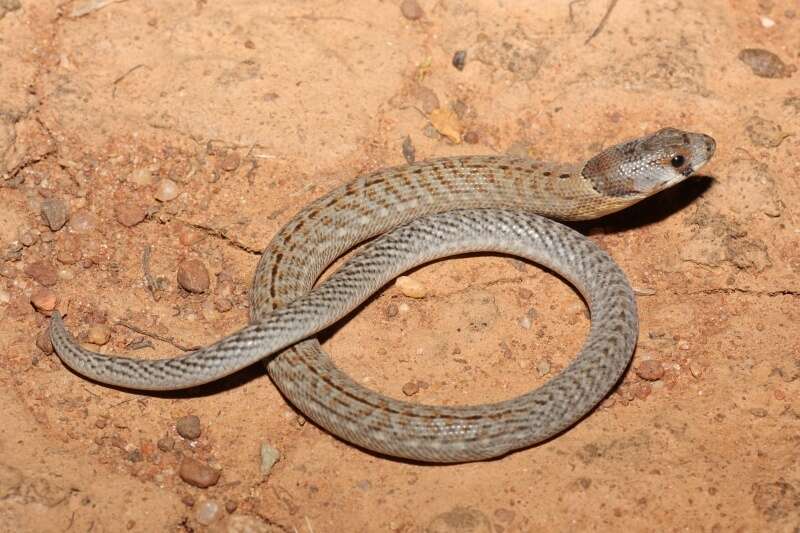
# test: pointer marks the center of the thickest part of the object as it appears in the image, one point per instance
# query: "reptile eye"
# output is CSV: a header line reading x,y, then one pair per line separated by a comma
x,y
677,161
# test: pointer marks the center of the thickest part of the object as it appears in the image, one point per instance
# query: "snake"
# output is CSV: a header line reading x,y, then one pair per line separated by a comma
x,y
401,217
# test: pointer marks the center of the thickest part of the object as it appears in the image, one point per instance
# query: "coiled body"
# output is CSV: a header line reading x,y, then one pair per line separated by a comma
x,y
433,209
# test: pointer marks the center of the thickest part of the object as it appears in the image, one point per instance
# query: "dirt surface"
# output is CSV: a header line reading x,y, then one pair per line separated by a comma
x,y
166,133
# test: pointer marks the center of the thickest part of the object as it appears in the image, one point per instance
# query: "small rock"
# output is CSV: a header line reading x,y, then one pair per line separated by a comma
x,y
193,276
642,390
135,456
69,250
166,190
764,63
696,370
166,444
411,10
55,213
82,222
410,388
129,215
766,22
543,367
44,301
198,474
188,427
471,137
409,152
207,512
758,412
764,133
43,341
411,287
223,304
101,423
231,506
428,99
28,238
269,456
404,308
392,310
141,177
461,519
188,236
460,59
99,334
230,162
650,370
43,272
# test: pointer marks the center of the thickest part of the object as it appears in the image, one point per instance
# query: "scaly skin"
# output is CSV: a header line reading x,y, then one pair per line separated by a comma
x,y
430,210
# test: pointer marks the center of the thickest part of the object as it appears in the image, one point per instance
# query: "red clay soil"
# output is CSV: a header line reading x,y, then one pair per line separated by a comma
x,y
154,133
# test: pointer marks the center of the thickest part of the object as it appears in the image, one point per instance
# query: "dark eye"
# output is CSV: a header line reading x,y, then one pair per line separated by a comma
x,y
677,161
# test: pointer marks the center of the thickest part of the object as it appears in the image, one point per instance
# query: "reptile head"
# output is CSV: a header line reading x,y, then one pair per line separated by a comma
x,y
644,166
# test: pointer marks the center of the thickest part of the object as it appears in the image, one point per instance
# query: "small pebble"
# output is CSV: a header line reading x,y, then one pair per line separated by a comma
x,y
129,215
188,236
188,427
410,388
269,456
411,10
764,63
696,370
193,276
231,506
69,249
198,474
101,423
428,99
99,334
404,308
543,367
82,222
230,162
460,59
141,177
166,190
392,310
135,456
28,238
207,512
409,151
55,213
767,22
683,345
411,287
650,370
43,272
43,341
471,137
642,390
223,305
166,444
44,300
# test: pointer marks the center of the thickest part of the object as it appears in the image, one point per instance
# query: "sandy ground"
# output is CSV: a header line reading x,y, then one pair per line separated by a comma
x,y
253,109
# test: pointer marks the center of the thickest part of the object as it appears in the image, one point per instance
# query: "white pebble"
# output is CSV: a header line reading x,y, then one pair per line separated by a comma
x,y
403,308
141,177
767,22
411,287
207,512
269,456
167,190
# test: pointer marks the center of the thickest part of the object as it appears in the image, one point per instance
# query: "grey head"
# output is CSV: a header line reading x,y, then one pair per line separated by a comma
x,y
647,165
